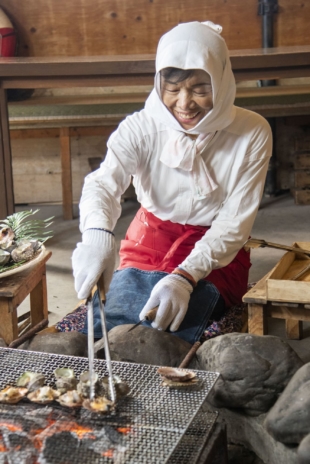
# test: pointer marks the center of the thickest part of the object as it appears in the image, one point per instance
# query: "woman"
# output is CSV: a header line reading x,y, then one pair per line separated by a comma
x,y
199,165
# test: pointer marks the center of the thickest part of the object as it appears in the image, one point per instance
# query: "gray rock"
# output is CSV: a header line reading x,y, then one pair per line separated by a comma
x,y
289,419
303,451
145,345
67,343
250,432
2,343
254,370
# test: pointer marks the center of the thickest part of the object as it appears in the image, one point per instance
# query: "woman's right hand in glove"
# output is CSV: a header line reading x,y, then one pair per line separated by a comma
x,y
94,256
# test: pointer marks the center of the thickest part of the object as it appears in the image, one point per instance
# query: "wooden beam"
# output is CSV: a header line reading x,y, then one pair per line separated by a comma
x,y
6,174
60,81
66,174
293,329
257,322
30,72
100,131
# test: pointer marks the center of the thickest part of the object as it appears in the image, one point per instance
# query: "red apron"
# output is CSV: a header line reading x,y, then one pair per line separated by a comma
x,y
154,245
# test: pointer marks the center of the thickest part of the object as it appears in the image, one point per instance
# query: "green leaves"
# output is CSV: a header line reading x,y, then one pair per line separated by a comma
x,y
31,229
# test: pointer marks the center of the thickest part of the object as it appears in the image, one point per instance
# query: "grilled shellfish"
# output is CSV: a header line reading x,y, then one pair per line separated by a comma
x,y
176,374
83,387
174,377
31,380
70,399
43,395
100,404
121,388
12,395
65,379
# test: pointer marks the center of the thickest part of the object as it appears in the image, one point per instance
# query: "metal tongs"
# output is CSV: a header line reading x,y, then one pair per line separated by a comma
x,y
90,322
260,243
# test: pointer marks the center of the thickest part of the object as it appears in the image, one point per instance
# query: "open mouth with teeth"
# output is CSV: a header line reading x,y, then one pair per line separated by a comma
x,y
191,118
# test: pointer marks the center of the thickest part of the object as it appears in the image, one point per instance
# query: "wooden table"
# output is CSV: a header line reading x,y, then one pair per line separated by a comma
x,y
14,289
259,309
51,72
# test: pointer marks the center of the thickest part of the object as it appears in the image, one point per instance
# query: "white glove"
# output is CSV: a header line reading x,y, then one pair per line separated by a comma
x,y
171,294
94,256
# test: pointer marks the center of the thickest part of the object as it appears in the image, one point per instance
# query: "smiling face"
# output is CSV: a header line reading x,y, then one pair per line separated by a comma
x,y
190,99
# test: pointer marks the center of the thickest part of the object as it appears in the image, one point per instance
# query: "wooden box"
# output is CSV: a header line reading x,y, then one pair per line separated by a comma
x,y
302,179
280,287
302,160
301,196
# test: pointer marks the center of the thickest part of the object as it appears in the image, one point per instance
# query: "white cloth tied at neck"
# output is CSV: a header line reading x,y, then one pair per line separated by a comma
x,y
182,152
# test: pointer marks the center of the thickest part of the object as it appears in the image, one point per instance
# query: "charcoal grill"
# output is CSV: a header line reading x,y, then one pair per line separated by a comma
x,y
153,424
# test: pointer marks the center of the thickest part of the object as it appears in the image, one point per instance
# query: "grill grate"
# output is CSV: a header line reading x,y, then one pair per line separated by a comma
x,y
155,418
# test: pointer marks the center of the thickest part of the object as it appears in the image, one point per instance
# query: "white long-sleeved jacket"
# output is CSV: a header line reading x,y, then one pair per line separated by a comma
x,y
236,159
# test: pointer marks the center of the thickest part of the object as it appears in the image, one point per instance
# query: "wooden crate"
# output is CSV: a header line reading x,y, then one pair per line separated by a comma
x,y
302,179
302,160
280,287
301,196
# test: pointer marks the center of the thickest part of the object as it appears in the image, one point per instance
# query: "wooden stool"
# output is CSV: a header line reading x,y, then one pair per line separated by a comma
x,y
14,289
259,308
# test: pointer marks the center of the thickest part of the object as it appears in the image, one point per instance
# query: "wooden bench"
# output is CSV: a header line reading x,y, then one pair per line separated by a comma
x,y
14,289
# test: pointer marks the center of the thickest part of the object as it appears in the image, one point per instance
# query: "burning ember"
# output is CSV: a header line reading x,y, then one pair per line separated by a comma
x,y
34,435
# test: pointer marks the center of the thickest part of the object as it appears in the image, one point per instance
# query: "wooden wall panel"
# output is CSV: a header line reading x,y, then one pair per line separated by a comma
x,y
37,167
292,23
95,27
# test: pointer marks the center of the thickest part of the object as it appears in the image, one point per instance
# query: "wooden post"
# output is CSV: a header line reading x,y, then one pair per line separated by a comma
x,y
257,323
293,329
66,173
9,323
6,175
38,301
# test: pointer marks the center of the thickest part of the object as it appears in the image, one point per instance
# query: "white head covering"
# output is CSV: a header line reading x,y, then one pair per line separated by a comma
x,y
194,46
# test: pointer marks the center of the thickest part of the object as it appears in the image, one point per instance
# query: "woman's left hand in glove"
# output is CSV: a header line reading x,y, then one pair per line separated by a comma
x,y
171,294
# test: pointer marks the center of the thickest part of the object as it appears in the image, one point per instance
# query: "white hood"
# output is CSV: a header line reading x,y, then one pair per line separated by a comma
x,y
196,46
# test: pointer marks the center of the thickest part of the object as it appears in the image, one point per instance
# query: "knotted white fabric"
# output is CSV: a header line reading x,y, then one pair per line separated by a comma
x,y
182,152
194,46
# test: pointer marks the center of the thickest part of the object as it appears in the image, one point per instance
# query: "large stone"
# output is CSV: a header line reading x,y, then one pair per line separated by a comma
x,y
254,370
289,419
2,343
67,343
303,451
250,432
145,346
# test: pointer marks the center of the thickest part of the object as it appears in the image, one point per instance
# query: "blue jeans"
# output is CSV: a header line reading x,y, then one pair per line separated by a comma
x,y
129,291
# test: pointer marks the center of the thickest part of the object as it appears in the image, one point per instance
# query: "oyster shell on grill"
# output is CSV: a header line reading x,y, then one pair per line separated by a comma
x,y
71,399
100,404
65,379
121,388
12,395
83,386
174,377
31,380
43,395
5,257
178,384
176,374
7,236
